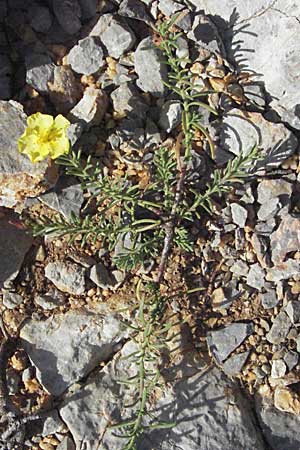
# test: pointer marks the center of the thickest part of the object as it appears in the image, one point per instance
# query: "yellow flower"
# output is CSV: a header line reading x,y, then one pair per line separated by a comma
x,y
44,136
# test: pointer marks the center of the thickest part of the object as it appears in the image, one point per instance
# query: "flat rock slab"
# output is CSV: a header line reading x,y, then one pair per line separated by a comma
x,y
19,178
276,59
67,277
239,132
285,239
209,411
14,244
66,347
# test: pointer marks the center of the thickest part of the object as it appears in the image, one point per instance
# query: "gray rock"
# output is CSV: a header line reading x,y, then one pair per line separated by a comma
x,y
39,71
278,368
205,34
66,347
66,197
66,277
256,94
291,359
66,444
264,18
170,115
169,7
269,189
233,365
88,8
68,15
87,56
6,71
40,18
293,311
28,374
11,299
74,132
89,111
134,9
256,277
151,70
239,214
280,328
211,428
240,268
239,133
283,271
51,300
269,209
269,299
285,239
152,134
115,35
280,429
14,244
100,276
265,228
126,99
224,341
52,424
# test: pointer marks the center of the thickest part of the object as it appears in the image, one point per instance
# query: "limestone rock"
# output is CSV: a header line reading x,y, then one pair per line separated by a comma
x,y
39,71
66,347
286,238
66,277
90,110
19,178
65,90
151,70
283,271
280,328
87,56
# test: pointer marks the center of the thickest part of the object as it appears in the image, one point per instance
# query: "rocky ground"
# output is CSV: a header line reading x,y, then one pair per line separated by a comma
x,y
234,380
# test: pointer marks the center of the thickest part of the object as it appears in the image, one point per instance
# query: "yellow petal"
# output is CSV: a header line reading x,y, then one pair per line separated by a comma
x,y
59,147
61,122
26,141
40,121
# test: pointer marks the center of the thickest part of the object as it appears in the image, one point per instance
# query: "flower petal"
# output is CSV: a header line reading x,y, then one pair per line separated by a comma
x,y
61,122
59,147
40,121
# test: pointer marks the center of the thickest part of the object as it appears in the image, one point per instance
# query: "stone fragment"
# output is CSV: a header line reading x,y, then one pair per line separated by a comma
x,y
255,93
233,365
205,34
52,424
240,268
219,299
90,110
100,276
115,35
269,299
65,90
40,18
11,299
19,178
283,271
260,248
149,66
87,56
134,9
224,341
239,133
268,189
280,429
280,328
264,18
14,244
39,71
68,15
66,277
66,444
170,115
51,300
256,277
239,214
269,209
278,368
66,347
66,197
169,7
291,359
293,311
285,239
286,400
126,100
